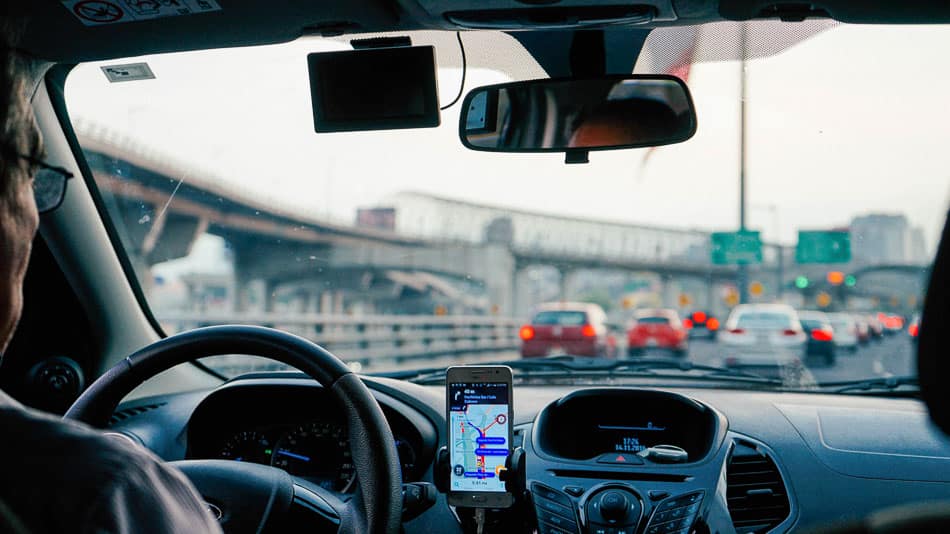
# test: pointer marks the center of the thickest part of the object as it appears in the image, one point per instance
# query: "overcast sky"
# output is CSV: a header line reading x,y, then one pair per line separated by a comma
x,y
851,121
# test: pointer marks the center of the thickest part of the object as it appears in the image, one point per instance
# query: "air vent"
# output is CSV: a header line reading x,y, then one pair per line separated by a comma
x,y
518,438
121,415
758,499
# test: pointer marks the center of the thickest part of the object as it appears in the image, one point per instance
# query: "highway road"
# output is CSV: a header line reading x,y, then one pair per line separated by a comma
x,y
892,356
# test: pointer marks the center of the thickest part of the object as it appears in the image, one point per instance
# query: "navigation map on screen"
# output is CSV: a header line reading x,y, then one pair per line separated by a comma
x,y
479,435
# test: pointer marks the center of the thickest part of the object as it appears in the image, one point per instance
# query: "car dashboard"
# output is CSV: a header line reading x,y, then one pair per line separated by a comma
x,y
605,460
296,428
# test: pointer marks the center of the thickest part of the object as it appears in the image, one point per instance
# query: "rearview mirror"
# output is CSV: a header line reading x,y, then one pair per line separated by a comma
x,y
569,115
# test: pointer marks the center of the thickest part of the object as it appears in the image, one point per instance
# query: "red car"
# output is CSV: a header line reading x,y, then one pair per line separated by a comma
x,y
657,329
577,329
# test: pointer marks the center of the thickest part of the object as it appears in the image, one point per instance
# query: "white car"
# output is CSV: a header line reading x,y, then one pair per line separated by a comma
x,y
763,335
846,331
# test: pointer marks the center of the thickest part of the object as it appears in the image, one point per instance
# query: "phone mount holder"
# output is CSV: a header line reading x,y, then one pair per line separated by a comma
x,y
513,475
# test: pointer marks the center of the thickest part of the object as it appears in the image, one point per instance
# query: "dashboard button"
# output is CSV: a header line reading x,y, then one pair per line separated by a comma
x,y
614,506
553,507
677,513
656,495
551,494
619,458
599,529
682,500
661,516
556,520
544,528
677,524
669,527
575,491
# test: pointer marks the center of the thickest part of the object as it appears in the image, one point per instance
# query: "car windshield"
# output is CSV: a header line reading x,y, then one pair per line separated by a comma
x,y
403,249
653,320
563,318
763,320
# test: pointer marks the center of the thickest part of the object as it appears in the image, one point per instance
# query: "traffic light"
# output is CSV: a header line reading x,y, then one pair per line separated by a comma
x,y
850,280
756,288
835,278
801,282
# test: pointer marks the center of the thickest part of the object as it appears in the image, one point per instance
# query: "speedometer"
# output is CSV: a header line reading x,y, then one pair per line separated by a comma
x,y
247,446
319,452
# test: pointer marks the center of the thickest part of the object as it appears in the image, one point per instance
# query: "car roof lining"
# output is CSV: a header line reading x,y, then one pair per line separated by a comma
x,y
53,33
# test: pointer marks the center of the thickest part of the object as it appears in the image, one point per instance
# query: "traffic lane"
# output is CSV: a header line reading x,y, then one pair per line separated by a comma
x,y
892,356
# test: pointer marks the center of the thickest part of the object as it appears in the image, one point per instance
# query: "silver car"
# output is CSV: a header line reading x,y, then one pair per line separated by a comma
x,y
846,331
763,335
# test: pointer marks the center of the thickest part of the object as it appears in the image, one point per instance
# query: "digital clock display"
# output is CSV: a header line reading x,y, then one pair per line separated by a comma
x,y
631,438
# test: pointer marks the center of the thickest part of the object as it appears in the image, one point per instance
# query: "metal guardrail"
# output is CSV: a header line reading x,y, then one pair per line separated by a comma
x,y
367,339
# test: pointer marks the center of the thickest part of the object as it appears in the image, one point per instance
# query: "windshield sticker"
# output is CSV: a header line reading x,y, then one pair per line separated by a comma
x,y
98,12
129,72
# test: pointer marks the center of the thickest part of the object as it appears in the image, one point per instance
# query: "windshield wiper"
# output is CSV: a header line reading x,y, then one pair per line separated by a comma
x,y
571,366
889,383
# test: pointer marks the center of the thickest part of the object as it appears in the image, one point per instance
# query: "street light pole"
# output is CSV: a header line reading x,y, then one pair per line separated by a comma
x,y
779,251
743,269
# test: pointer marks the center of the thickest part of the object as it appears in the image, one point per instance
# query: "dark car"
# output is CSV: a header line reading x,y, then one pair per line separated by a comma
x,y
702,324
578,329
821,338
893,323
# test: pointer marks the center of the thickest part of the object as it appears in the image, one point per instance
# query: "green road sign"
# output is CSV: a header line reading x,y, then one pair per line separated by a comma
x,y
730,248
823,247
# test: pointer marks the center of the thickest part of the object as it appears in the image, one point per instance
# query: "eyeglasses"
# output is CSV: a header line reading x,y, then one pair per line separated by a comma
x,y
49,184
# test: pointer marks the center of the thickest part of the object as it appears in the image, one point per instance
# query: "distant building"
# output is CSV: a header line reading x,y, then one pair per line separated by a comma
x,y
881,238
379,218
918,246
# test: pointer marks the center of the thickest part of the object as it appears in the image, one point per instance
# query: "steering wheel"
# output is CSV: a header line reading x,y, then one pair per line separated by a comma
x,y
250,496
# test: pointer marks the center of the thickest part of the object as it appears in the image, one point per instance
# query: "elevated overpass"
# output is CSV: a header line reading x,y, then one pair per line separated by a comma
x,y
166,206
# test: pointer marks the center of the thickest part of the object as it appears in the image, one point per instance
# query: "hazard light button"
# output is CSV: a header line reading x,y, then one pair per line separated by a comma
x,y
620,458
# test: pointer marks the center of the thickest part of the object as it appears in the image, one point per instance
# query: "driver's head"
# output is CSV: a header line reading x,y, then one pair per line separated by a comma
x,y
19,141
625,122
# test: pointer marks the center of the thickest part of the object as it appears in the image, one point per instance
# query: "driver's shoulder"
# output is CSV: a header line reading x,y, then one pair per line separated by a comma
x,y
33,438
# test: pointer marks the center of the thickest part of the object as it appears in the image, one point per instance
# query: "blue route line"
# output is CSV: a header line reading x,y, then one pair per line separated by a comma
x,y
480,434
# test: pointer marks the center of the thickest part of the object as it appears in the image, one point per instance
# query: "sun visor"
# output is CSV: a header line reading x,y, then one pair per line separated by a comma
x,y
933,354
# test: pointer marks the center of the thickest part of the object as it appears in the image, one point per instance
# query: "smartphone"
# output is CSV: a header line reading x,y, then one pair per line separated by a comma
x,y
479,407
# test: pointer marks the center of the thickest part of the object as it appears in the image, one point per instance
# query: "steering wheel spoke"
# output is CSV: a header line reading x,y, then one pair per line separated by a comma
x,y
320,505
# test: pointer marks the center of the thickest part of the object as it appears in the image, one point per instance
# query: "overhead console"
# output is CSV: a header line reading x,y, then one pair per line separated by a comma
x,y
628,427
569,14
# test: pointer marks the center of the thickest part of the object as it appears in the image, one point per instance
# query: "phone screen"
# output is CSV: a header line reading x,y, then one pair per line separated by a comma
x,y
479,434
